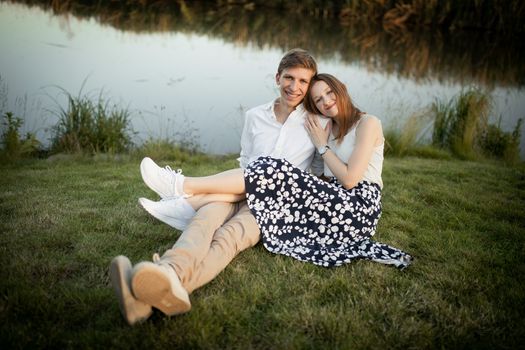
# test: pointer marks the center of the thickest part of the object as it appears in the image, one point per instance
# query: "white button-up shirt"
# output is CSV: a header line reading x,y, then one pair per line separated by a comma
x,y
263,135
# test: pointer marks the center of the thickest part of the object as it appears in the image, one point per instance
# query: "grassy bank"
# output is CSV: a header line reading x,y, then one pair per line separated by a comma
x,y
61,222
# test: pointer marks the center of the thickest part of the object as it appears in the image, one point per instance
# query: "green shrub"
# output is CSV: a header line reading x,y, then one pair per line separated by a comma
x,y
502,145
13,146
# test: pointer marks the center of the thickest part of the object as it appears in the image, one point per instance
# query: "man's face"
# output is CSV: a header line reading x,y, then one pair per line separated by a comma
x,y
293,84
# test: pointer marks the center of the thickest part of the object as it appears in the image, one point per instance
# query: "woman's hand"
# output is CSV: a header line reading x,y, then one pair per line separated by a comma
x,y
318,134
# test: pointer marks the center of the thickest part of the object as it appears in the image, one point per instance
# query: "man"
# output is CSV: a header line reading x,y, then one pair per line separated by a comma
x,y
218,231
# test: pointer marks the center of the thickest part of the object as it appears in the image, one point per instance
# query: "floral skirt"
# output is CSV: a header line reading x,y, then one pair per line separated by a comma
x,y
315,221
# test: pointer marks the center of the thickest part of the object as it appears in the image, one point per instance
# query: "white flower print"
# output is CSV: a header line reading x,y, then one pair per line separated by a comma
x,y
299,214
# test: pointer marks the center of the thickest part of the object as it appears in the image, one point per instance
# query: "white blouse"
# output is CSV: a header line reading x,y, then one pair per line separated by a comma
x,y
344,149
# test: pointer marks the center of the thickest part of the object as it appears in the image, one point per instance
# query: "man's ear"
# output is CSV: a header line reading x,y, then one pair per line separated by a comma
x,y
277,76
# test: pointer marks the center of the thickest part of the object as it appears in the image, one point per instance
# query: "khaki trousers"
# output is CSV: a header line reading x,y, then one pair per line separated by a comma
x,y
218,232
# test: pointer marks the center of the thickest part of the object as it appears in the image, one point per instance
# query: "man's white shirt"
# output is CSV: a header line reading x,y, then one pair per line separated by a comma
x,y
263,135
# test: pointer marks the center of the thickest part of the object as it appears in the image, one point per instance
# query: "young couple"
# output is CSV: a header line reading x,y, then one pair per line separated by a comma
x,y
326,216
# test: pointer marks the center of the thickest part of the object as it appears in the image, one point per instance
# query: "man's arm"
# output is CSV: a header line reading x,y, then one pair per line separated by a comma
x,y
317,166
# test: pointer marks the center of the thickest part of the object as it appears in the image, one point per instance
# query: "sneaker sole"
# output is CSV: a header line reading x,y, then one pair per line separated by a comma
x,y
133,310
151,286
169,220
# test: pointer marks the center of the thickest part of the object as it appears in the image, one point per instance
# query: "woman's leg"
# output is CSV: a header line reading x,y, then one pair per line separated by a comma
x,y
199,200
227,182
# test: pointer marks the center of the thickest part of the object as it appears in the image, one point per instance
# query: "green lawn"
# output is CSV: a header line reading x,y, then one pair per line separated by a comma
x,y
61,223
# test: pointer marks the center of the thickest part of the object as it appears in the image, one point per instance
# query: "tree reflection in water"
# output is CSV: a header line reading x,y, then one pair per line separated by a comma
x,y
464,57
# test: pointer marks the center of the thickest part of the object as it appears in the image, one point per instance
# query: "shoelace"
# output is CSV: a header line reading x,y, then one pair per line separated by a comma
x,y
170,174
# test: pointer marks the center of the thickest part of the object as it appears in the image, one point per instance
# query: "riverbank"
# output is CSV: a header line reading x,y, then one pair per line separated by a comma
x,y
63,220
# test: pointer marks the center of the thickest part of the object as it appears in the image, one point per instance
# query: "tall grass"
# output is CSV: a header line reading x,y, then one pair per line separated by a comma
x,y
404,139
461,126
459,123
91,126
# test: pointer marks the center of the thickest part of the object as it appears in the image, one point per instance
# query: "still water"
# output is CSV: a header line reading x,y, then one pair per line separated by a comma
x,y
193,85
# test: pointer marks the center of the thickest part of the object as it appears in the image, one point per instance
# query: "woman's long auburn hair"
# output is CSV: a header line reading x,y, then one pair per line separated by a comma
x,y
348,114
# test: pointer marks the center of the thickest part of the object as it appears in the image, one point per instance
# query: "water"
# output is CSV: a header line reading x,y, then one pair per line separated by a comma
x,y
193,83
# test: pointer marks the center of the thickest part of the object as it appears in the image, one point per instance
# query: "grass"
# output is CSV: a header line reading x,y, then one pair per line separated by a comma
x,y
62,221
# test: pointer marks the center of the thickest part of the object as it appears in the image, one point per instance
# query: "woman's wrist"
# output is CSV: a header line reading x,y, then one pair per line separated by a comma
x,y
323,149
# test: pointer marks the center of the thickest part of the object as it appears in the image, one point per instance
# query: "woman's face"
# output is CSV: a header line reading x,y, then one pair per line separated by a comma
x,y
324,99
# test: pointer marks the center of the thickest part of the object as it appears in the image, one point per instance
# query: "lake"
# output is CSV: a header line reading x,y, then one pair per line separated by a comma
x,y
188,74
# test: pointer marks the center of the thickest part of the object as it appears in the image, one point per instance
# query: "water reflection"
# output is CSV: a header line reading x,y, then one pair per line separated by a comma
x,y
466,57
189,69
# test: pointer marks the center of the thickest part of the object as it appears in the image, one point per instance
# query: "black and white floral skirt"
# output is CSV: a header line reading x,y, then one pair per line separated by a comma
x,y
315,221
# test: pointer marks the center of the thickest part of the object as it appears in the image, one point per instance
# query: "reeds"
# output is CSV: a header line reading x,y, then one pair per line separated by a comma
x,y
459,124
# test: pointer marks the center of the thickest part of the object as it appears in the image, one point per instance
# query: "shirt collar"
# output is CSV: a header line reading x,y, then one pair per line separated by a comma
x,y
271,105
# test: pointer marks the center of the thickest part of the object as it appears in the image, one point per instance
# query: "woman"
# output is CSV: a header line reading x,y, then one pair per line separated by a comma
x,y
300,215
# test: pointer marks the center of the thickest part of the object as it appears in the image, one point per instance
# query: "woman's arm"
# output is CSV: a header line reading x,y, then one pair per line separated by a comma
x,y
368,133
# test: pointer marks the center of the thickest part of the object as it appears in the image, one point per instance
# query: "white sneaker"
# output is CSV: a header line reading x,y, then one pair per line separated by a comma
x,y
165,181
159,286
176,212
132,309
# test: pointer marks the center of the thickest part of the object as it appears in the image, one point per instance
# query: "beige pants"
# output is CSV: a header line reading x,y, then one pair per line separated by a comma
x,y
217,233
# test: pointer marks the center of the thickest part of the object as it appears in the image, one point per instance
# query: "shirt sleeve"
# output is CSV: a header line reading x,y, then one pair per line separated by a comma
x,y
317,166
246,142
